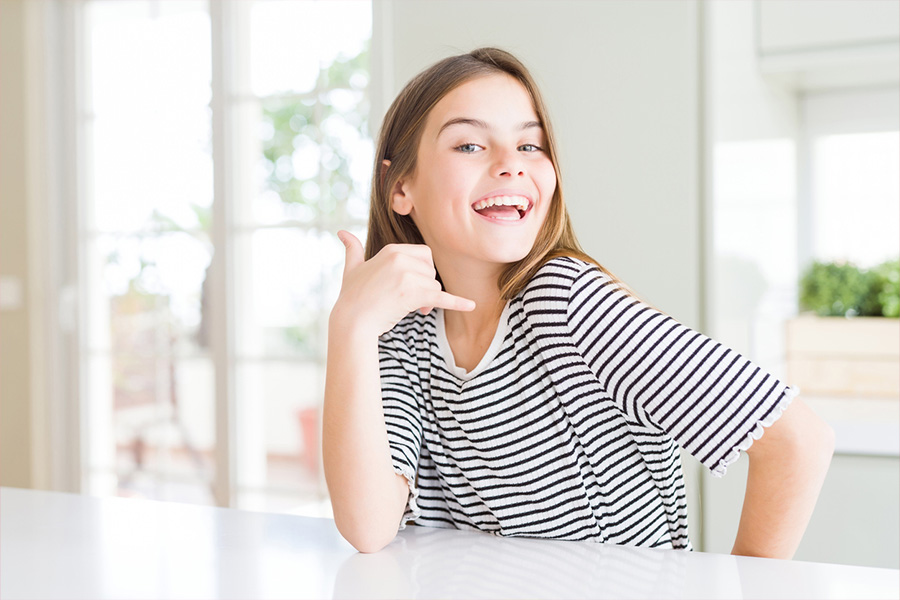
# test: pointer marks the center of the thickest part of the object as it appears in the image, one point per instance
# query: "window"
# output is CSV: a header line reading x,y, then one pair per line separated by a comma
x,y
830,193
855,193
853,199
219,148
147,246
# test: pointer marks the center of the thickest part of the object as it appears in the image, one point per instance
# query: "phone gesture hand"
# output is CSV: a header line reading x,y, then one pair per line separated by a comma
x,y
379,292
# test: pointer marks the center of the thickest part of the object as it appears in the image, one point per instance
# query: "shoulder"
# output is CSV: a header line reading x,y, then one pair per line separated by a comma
x,y
572,291
564,266
548,296
559,277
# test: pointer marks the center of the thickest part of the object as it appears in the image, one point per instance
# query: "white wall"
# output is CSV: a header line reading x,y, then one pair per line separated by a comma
x,y
622,84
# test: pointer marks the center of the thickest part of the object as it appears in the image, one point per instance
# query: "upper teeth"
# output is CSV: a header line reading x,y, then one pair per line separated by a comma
x,y
519,202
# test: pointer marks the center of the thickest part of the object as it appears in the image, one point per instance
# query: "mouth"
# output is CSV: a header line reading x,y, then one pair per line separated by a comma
x,y
512,207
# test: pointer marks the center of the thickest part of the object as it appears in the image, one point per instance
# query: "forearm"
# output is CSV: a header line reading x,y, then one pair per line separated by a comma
x,y
785,476
367,495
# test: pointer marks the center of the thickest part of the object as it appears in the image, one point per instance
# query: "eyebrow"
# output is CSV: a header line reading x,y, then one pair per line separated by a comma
x,y
483,125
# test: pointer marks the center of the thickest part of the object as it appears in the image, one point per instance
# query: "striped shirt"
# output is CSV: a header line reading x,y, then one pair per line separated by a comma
x,y
569,428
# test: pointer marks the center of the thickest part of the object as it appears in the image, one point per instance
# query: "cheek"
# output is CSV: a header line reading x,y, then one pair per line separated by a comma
x,y
445,178
547,179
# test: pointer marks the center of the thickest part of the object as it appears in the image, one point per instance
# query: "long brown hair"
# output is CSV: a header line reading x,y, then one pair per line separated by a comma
x,y
398,142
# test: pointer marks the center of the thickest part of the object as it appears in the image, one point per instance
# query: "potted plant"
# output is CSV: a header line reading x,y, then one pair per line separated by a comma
x,y
846,341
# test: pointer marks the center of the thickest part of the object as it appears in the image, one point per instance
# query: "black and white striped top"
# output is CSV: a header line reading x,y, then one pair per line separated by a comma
x,y
569,427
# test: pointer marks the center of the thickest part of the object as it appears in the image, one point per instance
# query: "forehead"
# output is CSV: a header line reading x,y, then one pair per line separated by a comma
x,y
498,99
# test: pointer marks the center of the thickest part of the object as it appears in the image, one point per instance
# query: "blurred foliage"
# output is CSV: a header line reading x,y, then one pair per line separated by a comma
x,y
842,289
887,285
203,214
160,223
296,123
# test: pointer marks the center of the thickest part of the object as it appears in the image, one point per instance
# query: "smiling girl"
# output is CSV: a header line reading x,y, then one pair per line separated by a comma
x,y
484,373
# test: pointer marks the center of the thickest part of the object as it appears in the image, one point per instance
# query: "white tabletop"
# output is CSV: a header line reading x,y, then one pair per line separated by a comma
x,y
56,545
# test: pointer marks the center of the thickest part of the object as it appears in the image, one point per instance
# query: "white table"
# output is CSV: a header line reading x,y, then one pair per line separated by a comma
x,y
56,545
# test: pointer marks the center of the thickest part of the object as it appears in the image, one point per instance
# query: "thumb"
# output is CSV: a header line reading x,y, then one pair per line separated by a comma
x,y
355,255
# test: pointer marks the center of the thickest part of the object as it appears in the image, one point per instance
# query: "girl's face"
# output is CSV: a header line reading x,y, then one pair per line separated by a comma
x,y
483,183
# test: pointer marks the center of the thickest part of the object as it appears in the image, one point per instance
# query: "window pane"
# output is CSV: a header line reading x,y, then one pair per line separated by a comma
x,y
290,166
152,428
278,425
164,427
151,290
856,192
150,381
150,129
320,31
150,376
315,153
285,286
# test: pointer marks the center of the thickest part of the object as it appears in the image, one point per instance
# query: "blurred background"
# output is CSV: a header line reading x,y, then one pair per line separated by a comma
x,y
173,172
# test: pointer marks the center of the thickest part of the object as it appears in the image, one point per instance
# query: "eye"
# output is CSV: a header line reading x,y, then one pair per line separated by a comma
x,y
530,148
468,148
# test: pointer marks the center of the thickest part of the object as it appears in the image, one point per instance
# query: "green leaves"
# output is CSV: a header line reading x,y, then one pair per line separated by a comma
x,y
307,140
887,285
842,289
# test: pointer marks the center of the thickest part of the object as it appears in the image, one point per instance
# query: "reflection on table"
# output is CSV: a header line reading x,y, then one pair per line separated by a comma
x,y
439,563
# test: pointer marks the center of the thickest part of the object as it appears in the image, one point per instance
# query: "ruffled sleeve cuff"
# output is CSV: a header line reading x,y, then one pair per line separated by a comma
x,y
412,511
786,397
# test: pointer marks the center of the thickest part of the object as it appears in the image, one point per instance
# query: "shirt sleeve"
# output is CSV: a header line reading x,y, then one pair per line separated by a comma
x,y
401,416
710,399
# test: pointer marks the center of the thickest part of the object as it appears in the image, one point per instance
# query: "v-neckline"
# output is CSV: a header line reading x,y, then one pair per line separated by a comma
x,y
489,355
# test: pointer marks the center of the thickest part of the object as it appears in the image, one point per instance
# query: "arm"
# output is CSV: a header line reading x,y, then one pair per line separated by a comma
x,y
787,468
679,381
367,495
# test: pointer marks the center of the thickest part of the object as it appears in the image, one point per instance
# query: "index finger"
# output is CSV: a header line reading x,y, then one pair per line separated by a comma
x,y
442,299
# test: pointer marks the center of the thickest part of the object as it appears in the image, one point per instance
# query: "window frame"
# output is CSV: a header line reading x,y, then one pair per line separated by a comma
x,y
56,221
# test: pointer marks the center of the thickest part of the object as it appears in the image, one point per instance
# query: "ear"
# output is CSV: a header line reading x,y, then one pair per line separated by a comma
x,y
384,167
400,200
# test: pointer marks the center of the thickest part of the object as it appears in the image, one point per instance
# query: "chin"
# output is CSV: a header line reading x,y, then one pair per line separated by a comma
x,y
508,258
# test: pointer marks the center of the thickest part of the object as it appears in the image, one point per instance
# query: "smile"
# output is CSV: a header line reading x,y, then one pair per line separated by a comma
x,y
503,207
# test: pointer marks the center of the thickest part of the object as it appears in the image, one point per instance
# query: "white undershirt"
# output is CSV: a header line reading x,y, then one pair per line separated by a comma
x,y
493,349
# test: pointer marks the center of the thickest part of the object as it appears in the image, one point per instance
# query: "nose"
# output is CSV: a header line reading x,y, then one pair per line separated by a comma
x,y
509,164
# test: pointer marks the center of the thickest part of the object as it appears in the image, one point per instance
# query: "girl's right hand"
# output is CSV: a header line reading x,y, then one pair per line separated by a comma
x,y
376,294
